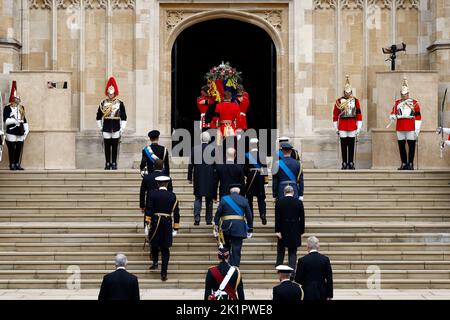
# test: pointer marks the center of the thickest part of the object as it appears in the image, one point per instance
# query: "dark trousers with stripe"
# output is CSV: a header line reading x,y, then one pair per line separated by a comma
x,y
234,244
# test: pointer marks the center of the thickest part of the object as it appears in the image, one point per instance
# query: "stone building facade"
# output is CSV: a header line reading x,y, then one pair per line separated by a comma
x,y
318,42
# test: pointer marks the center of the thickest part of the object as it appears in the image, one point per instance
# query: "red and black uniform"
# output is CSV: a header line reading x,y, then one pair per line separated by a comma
x,y
244,103
203,103
409,120
229,118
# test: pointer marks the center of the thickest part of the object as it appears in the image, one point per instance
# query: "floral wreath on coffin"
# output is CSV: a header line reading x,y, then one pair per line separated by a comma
x,y
223,78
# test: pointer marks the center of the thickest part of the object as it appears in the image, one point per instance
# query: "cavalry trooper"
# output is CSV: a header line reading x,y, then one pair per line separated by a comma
x,y
16,128
443,131
153,152
347,121
161,212
257,180
287,290
407,113
233,223
287,171
294,153
111,120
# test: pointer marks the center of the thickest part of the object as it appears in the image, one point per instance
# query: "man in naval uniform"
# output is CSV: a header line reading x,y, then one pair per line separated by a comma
x,y
149,183
111,120
294,153
347,121
153,152
255,169
287,171
161,212
16,128
233,223
287,290
406,112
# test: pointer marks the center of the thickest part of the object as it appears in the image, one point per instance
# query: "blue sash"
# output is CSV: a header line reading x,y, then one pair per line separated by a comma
x,y
150,154
252,160
287,171
280,154
238,210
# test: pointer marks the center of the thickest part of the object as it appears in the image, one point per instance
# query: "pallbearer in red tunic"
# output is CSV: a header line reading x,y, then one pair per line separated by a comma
x,y
229,116
347,121
203,102
244,102
407,113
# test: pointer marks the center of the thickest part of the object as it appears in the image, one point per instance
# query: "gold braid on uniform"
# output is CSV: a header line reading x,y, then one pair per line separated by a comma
x,y
344,105
106,110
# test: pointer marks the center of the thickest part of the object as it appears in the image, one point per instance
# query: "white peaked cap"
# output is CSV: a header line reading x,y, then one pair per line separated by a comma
x,y
283,139
162,179
284,269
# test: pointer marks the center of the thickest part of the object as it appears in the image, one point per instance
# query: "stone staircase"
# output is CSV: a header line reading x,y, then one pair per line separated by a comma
x,y
53,220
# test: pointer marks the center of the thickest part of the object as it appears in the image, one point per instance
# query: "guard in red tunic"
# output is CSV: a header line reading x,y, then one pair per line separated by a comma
x,y
203,102
407,113
244,102
347,121
229,116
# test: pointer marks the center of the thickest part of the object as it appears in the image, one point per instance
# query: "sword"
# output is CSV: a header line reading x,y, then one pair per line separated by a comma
x,y
356,149
441,121
118,148
2,127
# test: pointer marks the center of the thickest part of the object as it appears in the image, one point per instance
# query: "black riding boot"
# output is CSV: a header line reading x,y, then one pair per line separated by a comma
x,y
403,157
412,152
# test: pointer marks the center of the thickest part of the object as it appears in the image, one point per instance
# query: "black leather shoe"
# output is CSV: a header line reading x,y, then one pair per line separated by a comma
x,y
154,266
107,166
114,166
196,223
209,223
404,166
163,277
12,167
411,166
351,166
264,221
18,167
344,166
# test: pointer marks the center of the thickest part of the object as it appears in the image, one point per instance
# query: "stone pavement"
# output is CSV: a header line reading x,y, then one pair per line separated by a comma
x,y
253,294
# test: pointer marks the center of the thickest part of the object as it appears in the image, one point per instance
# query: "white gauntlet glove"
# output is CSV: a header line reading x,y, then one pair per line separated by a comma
x,y
99,124
249,235
215,234
174,233
335,125
27,130
393,117
359,127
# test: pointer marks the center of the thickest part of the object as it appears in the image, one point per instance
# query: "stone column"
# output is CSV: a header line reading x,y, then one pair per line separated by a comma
x,y
10,35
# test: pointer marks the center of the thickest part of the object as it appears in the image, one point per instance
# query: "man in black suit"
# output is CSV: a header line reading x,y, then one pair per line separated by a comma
x,y
119,285
202,173
314,273
230,173
289,226
153,152
234,290
287,290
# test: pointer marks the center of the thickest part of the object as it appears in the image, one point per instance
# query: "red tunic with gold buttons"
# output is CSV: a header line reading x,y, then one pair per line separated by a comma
x,y
202,105
347,122
407,114
243,106
229,117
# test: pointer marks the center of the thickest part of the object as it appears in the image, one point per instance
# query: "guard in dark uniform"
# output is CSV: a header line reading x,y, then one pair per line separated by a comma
x,y
202,174
153,152
256,176
287,290
294,154
111,120
162,210
16,128
233,222
230,173
287,171
234,290
149,183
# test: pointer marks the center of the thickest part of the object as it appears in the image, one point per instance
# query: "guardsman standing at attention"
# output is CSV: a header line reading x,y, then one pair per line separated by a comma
x,y
287,171
153,152
256,172
233,223
287,290
111,120
16,128
347,121
162,210
407,113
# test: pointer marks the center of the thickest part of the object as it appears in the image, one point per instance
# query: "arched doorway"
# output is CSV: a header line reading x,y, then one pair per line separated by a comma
x,y
203,45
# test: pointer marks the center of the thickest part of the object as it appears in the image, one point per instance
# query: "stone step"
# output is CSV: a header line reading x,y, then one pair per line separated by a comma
x,y
311,227
204,264
250,283
187,196
199,275
258,237
188,203
194,247
443,216
142,256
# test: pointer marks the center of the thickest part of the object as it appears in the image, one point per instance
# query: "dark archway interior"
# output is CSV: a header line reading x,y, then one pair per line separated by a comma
x,y
204,45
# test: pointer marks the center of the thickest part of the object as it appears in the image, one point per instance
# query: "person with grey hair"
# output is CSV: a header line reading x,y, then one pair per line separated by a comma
x,y
314,273
289,226
120,284
202,174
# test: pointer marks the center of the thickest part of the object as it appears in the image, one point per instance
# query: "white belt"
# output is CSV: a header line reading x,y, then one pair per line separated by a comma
x,y
243,114
202,114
